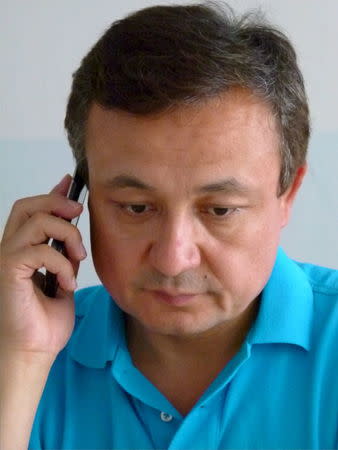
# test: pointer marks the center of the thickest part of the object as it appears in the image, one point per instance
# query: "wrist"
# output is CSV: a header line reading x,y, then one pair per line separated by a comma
x,y
39,359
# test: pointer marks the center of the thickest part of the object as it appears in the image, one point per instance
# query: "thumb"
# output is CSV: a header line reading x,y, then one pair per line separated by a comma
x,y
63,186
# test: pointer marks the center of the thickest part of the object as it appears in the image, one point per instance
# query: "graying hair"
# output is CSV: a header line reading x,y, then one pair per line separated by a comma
x,y
161,57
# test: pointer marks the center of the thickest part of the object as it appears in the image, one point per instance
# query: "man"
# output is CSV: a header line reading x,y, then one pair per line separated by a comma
x,y
190,127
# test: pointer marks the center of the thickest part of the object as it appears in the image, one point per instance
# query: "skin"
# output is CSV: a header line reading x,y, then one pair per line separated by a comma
x,y
178,240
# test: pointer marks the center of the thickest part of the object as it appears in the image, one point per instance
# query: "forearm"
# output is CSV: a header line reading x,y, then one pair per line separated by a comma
x,y
22,380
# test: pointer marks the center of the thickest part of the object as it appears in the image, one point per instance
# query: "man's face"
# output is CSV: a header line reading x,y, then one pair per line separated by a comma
x,y
185,203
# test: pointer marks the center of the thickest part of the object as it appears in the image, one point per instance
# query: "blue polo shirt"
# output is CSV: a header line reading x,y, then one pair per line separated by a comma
x,y
280,390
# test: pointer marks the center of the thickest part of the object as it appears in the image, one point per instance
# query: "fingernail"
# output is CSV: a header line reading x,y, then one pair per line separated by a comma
x,y
73,204
74,283
83,252
62,180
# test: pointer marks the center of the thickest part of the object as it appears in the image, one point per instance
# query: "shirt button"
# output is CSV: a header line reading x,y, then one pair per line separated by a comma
x,y
166,417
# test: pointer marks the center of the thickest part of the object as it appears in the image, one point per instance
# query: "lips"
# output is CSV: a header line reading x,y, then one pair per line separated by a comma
x,y
174,293
173,298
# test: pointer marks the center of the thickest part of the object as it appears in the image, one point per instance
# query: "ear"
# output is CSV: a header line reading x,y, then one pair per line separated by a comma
x,y
287,199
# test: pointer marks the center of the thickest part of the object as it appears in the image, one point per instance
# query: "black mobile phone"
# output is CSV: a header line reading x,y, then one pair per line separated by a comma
x,y
77,191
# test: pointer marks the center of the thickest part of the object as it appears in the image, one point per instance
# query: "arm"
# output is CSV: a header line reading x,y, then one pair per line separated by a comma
x,y
34,327
22,380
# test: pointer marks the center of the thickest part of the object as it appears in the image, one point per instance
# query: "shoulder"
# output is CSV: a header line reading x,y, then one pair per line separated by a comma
x,y
85,297
324,285
323,280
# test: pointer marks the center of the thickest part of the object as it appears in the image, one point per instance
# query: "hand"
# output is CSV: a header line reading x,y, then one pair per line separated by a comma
x,y
30,322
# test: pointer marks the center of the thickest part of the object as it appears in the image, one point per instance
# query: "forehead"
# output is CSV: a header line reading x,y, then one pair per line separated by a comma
x,y
234,131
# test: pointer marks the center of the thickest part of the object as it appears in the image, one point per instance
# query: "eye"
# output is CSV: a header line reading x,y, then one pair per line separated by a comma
x,y
221,212
134,209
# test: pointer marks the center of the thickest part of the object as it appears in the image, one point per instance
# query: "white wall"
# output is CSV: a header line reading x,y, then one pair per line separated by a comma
x,y
42,43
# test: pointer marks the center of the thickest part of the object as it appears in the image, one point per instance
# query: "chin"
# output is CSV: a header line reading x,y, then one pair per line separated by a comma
x,y
158,318
180,324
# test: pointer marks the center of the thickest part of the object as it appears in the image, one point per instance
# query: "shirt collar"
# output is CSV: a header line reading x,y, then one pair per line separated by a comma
x,y
99,328
286,307
284,316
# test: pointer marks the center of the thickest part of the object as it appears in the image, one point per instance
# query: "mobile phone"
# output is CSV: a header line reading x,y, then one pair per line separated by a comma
x,y
77,191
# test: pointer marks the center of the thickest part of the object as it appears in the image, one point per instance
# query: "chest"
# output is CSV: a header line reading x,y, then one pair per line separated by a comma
x,y
288,403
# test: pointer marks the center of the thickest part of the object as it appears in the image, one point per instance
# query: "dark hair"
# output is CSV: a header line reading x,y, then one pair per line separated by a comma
x,y
164,56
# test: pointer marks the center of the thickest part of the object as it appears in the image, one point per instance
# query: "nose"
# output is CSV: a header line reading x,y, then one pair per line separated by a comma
x,y
175,248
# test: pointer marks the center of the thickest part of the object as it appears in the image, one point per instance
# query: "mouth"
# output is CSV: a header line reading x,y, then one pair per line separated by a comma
x,y
173,298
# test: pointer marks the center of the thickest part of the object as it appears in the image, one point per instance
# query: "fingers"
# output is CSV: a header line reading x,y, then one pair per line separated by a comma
x,y
40,227
25,208
39,278
23,265
31,223
55,203
63,186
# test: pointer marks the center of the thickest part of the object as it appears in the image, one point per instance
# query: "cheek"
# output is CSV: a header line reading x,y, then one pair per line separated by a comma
x,y
246,259
115,259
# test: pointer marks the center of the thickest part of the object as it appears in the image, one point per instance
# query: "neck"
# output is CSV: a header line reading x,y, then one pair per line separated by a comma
x,y
172,362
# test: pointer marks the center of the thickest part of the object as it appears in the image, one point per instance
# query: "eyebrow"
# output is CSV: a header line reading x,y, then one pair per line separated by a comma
x,y
127,181
229,185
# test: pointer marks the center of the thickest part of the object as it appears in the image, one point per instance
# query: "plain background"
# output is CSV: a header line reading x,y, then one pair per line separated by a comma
x,y
42,43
